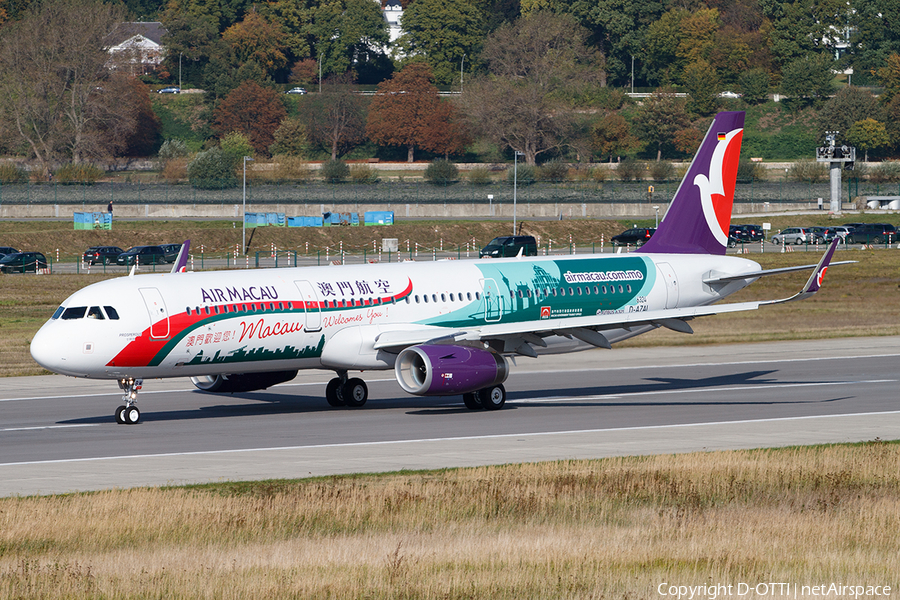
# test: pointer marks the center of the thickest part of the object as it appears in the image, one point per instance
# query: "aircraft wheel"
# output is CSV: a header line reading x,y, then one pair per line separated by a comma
x,y
120,415
355,392
131,415
333,392
492,398
470,399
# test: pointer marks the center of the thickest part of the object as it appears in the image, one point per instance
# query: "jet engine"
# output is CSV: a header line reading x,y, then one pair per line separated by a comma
x,y
241,382
438,370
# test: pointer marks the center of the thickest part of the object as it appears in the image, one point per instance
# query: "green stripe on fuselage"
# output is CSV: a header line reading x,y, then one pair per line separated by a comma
x,y
535,289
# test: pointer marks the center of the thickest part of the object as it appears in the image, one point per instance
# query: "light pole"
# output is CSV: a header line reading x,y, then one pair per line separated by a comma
x,y
462,61
656,208
179,70
515,184
244,216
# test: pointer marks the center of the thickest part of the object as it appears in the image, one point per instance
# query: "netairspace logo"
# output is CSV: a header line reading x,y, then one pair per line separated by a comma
x,y
771,590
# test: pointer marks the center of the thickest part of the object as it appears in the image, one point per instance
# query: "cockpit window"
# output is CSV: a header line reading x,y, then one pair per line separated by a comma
x,y
111,313
58,312
74,312
94,312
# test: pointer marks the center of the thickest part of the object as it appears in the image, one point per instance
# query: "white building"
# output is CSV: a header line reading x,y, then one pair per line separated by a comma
x,y
137,46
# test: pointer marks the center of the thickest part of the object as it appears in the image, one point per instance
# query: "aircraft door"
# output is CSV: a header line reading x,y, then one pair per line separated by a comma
x,y
492,300
159,314
668,275
311,306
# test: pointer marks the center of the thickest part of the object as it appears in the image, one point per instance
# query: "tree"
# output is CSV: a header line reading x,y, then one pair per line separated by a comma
x,y
448,133
290,138
336,118
145,137
347,33
403,109
889,76
660,118
258,40
252,110
534,65
754,84
807,78
868,134
442,32
849,105
702,84
56,92
612,137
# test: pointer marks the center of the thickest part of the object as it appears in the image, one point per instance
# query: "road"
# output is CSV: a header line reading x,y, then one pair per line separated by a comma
x,y
58,434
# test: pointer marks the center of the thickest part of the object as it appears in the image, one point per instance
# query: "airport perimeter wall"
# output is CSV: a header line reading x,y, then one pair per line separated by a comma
x,y
415,199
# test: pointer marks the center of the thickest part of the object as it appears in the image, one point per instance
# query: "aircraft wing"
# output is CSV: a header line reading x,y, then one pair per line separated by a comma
x,y
519,336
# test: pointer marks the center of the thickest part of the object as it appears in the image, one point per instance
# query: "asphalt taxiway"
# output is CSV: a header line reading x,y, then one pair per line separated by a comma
x,y
58,434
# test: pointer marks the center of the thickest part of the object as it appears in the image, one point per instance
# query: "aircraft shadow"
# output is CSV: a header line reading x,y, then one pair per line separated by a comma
x,y
266,403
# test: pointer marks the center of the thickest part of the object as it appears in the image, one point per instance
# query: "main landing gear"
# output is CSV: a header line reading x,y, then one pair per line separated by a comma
x,y
342,391
489,398
128,413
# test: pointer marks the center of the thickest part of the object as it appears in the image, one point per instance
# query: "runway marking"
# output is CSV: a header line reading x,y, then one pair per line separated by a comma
x,y
696,391
444,439
38,427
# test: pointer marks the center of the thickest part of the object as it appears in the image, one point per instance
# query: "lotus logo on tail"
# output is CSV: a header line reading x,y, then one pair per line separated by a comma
x,y
821,276
717,191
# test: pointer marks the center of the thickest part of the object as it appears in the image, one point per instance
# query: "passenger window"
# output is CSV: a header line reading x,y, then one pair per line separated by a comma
x,y
579,291
469,296
75,312
477,295
562,292
94,313
628,288
621,290
451,296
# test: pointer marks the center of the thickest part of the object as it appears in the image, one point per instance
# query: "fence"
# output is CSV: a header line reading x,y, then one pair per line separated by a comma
x,y
413,192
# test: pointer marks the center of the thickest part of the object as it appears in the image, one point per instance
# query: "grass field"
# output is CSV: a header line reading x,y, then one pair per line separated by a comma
x,y
613,528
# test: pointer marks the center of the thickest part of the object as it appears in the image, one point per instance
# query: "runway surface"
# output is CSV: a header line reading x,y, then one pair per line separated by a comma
x,y
58,434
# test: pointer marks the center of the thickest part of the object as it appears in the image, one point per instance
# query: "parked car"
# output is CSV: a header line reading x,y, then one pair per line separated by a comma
x,y
172,89
872,233
841,230
636,236
752,233
171,251
821,235
101,254
509,245
792,235
143,255
22,262
4,250
728,94
296,90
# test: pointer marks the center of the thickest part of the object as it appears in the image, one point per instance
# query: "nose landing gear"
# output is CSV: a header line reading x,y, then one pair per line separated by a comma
x,y
128,413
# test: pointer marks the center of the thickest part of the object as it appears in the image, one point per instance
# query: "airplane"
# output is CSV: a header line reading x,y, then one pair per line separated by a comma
x,y
444,328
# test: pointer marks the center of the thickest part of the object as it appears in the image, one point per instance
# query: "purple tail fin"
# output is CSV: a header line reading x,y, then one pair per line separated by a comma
x,y
180,265
699,216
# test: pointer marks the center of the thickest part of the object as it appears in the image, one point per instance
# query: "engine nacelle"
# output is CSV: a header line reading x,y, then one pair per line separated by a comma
x,y
241,382
437,370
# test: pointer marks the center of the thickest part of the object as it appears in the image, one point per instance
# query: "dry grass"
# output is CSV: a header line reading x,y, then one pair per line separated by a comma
x,y
613,528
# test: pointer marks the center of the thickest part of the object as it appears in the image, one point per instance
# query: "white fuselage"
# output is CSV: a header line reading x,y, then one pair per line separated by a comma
x,y
221,322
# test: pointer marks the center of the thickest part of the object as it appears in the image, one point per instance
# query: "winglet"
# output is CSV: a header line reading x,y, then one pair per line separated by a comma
x,y
815,280
180,265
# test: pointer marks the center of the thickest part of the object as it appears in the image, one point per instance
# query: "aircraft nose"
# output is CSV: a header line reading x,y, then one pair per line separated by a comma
x,y
45,350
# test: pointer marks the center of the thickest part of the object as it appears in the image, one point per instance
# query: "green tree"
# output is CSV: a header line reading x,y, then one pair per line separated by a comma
x,y
792,30
702,85
661,61
442,32
868,134
660,119
236,146
347,33
876,24
849,105
212,170
754,85
807,78
290,138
